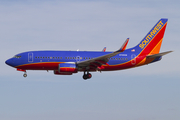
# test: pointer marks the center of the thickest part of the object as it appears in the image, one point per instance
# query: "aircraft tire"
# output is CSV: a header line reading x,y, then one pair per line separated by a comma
x,y
24,75
89,75
85,77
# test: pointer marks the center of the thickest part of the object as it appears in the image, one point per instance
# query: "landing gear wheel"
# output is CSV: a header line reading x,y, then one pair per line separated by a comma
x,y
24,75
87,76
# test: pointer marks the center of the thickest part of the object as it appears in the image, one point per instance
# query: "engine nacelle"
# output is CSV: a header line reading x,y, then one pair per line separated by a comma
x,y
62,73
66,69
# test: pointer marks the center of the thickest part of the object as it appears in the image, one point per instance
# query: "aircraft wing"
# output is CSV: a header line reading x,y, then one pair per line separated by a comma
x,y
98,61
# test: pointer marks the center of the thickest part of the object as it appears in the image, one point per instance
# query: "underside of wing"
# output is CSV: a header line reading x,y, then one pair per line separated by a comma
x,y
158,55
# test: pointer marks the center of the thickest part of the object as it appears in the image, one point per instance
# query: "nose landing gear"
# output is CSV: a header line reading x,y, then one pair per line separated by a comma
x,y
25,74
22,70
87,75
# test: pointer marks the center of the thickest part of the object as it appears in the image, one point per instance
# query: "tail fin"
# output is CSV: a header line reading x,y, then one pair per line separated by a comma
x,y
151,43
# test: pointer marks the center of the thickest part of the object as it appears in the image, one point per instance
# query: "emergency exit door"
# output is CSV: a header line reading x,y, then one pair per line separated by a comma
x,y
30,57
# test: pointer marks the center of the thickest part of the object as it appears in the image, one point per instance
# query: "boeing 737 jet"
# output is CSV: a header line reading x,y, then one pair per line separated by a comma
x,y
70,62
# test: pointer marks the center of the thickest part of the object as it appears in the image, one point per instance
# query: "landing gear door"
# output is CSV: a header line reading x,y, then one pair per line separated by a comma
x,y
30,57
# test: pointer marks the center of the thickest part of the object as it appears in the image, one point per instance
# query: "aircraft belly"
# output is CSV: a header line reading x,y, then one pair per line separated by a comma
x,y
40,66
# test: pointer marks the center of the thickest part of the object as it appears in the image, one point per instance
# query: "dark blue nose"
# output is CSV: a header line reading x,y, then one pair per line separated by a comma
x,y
9,62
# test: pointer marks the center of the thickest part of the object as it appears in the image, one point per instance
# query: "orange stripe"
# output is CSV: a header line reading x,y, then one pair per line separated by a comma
x,y
156,48
153,38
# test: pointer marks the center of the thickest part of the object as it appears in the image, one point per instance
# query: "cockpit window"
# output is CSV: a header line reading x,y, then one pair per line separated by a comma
x,y
17,56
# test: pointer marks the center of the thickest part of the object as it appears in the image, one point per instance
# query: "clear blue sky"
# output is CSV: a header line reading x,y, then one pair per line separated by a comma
x,y
149,92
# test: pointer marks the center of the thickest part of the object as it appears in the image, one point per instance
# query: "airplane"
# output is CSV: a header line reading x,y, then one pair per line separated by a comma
x,y
70,62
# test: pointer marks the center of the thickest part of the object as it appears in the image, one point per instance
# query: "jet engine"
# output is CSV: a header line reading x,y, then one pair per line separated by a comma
x,y
66,69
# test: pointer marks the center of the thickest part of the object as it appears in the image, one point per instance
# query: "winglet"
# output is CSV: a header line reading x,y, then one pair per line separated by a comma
x,y
104,49
123,47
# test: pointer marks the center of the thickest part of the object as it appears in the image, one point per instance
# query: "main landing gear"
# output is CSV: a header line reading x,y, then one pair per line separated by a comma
x,y
87,75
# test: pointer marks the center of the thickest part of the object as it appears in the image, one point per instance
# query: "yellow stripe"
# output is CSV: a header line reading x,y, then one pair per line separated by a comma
x,y
153,37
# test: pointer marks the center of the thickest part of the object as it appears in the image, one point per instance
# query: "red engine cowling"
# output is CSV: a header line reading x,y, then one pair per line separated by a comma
x,y
66,69
62,73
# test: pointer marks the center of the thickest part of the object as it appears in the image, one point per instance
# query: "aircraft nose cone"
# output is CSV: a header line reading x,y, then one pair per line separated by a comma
x,y
9,62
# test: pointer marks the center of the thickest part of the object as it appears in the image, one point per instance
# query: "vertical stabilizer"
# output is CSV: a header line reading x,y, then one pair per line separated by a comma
x,y
151,43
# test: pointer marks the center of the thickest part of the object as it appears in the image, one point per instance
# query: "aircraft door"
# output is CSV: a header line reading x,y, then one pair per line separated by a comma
x,y
133,59
78,58
30,57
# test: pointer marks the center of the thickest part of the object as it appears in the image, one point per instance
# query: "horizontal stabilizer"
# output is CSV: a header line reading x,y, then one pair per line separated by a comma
x,y
158,55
